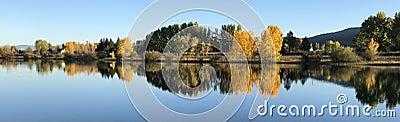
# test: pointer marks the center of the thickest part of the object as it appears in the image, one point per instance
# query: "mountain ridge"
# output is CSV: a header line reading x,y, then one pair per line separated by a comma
x,y
345,36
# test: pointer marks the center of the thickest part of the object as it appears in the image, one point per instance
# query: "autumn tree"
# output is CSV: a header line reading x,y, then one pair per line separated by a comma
x,y
124,48
277,39
89,48
372,51
13,50
246,41
5,52
70,48
120,47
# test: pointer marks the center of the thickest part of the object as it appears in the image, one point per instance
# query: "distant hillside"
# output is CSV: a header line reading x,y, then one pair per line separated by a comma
x,y
22,47
345,37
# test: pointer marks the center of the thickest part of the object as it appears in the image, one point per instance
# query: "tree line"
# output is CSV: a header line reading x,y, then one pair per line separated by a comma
x,y
106,48
378,33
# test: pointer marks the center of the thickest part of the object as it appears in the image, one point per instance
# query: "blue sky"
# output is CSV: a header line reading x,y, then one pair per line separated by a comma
x,y
24,21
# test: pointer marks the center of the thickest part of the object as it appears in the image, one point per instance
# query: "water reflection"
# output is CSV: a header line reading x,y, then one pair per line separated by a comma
x,y
373,85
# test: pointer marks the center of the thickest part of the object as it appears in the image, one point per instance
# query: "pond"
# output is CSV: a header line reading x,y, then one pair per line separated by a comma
x,y
94,91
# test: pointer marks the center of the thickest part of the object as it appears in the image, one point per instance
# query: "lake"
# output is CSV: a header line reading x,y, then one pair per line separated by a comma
x,y
94,91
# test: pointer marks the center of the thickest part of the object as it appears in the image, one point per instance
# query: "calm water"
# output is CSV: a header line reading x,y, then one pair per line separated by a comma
x,y
90,91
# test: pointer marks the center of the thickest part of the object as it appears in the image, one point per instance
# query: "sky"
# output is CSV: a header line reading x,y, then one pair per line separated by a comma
x,y
58,21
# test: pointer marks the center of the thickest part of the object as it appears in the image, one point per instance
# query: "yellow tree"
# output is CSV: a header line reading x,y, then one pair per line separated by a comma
x,y
14,50
120,47
70,48
124,47
246,41
373,46
277,39
370,53
128,48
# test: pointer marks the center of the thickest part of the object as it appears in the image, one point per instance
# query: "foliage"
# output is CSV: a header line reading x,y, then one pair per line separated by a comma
x,y
246,41
276,36
5,52
377,27
306,44
13,50
344,54
372,51
42,47
317,46
331,46
395,33
153,56
69,48
374,87
230,28
159,38
291,44
80,50
105,48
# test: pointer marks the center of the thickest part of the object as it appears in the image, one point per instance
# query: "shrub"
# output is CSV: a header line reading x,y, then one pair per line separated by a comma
x,y
369,55
153,56
344,54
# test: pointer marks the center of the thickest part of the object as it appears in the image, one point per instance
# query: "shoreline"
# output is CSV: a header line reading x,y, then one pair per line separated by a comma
x,y
381,63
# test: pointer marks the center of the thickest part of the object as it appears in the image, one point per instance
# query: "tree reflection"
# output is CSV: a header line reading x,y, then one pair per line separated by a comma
x,y
377,86
372,85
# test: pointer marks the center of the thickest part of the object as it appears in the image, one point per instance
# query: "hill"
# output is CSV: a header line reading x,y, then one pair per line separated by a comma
x,y
345,37
22,47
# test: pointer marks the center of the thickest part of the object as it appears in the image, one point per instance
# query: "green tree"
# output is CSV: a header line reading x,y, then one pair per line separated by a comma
x,y
42,47
239,28
306,44
378,28
230,28
395,33
329,46
317,46
336,45
105,48
291,41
